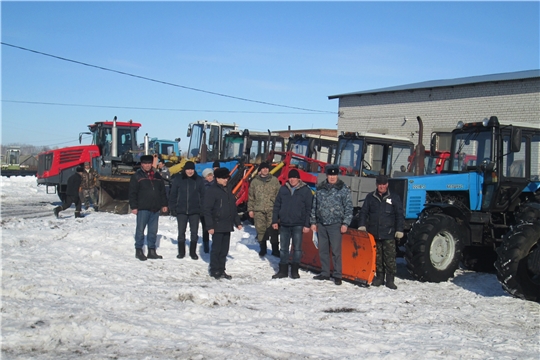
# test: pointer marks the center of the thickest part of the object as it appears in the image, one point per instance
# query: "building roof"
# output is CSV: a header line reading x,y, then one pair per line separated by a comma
x,y
518,75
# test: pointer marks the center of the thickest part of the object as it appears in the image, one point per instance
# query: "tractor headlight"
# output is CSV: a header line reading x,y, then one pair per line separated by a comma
x,y
460,125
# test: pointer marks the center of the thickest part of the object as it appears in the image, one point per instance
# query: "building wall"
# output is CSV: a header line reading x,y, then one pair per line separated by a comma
x,y
440,108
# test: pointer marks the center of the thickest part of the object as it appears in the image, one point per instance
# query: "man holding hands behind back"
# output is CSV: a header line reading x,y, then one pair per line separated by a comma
x,y
382,216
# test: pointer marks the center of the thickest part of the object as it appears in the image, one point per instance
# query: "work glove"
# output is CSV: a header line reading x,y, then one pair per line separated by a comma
x,y
399,234
362,228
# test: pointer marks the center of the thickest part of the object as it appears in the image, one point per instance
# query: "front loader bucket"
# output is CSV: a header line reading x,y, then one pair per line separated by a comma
x,y
113,194
357,255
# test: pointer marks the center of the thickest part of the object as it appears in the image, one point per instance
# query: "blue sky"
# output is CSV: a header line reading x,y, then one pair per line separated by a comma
x,y
289,53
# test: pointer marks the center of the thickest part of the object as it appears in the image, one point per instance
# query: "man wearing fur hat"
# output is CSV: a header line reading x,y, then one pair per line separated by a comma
x,y
382,216
220,217
185,202
146,198
331,214
292,210
262,194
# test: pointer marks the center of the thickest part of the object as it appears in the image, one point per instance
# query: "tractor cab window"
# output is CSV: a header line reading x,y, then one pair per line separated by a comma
x,y
195,140
398,158
124,141
349,155
300,147
167,149
471,150
514,162
233,148
535,154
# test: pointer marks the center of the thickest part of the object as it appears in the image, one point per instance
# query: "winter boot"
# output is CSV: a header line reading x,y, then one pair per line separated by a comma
x,y
262,244
139,254
275,249
181,249
206,246
390,282
193,250
57,211
294,271
78,214
282,273
379,280
153,255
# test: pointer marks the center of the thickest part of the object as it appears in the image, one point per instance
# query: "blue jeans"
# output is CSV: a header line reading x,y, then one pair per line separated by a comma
x,y
285,233
146,218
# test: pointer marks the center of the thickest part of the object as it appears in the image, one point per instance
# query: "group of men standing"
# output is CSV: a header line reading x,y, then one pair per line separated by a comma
x,y
190,199
291,210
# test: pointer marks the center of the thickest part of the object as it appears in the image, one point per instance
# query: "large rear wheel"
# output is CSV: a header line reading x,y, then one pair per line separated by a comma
x,y
518,262
434,248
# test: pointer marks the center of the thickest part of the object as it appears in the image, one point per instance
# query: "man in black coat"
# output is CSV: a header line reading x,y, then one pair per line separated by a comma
x,y
185,202
220,217
292,209
72,193
382,216
146,198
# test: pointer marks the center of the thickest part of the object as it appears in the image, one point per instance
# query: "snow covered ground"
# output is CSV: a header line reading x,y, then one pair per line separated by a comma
x,y
72,288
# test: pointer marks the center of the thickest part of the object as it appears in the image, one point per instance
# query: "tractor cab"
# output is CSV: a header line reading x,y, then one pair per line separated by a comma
x,y
251,146
206,140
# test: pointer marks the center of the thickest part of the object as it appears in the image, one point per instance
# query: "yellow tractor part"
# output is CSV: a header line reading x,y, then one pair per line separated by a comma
x,y
358,252
176,168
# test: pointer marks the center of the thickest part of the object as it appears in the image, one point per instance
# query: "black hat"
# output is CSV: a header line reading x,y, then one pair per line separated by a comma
x,y
381,179
190,165
147,159
294,174
79,169
332,170
263,165
221,173
216,164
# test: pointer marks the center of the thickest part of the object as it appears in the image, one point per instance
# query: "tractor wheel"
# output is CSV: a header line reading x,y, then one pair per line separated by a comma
x,y
518,262
434,248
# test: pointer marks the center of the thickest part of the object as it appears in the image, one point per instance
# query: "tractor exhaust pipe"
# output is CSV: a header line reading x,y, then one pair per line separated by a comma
x,y
420,150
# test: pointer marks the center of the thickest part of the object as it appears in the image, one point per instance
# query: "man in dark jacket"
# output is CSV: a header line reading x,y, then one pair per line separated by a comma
x,y
72,193
146,198
185,202
331,214
382,216
220,216
292,210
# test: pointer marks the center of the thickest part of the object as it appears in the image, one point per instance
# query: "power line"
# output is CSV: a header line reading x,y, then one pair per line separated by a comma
x,y
160,109
164,82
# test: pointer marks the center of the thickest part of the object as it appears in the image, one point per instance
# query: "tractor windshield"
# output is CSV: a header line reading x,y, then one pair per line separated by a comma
x,y
472,148
349,154
233,147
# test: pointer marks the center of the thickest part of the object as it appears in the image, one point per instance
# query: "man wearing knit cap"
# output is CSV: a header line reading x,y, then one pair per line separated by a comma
x,y
382,216
220,217
185,202
262,194
292,210
331,214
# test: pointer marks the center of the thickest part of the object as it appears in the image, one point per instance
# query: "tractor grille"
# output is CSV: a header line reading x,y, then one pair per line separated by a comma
x,y
67,156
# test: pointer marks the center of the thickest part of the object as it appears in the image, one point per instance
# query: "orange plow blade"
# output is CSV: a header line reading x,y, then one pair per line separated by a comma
x,y
357,256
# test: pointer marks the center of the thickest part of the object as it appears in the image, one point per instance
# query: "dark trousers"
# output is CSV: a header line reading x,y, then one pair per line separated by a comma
x,y
330,237
70,200
182,221
218,254
386,256
205,234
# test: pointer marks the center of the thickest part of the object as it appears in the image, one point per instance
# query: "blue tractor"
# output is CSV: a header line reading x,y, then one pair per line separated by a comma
x,y
484,208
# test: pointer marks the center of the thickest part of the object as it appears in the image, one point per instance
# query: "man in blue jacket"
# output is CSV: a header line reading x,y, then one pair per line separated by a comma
x,y
220,217
292,210
382,216
331,214
146,198
185,202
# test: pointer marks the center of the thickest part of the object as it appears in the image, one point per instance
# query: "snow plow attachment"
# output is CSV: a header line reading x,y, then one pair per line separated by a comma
x,y
113,194
357,255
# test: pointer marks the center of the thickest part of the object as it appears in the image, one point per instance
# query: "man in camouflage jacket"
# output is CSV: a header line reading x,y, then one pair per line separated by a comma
x,y
88,191
331,214
262,194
